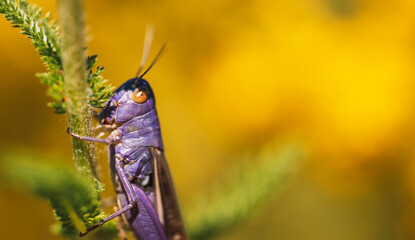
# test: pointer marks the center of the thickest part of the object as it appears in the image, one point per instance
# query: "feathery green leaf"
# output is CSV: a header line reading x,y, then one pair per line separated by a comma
x,y
72,197
44,35
240,193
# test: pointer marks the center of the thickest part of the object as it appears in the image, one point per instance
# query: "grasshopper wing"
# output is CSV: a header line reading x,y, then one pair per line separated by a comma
x,y
165,198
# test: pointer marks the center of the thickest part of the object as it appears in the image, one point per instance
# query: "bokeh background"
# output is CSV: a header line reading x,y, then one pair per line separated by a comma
x,y
334,76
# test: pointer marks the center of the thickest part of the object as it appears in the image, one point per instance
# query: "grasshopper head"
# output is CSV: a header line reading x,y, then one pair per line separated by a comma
x,y
134,98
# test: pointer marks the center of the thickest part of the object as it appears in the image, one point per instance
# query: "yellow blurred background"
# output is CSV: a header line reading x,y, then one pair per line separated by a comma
x,y
335,76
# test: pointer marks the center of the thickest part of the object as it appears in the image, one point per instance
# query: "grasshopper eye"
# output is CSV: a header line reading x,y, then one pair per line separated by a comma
x,y
139,96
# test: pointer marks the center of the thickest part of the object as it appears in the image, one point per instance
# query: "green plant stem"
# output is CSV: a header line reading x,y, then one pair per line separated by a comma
x,y
76,87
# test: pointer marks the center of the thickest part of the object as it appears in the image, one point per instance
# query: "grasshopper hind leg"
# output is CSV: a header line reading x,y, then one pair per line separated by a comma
x,y
122,234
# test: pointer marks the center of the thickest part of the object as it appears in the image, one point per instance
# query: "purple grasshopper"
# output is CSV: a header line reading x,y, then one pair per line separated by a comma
x,y
142,180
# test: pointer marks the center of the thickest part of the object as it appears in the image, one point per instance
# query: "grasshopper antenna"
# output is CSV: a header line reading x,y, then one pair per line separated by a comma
x,y
147,45
154,61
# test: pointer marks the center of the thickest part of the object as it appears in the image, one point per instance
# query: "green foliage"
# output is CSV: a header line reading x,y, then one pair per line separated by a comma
x,y
235,197
44,34
101,91
72,197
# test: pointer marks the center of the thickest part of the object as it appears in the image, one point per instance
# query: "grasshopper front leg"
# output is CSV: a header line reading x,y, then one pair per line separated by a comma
x,y
109,140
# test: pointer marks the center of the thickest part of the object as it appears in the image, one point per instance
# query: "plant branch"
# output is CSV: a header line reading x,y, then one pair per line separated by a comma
x,y
76,86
